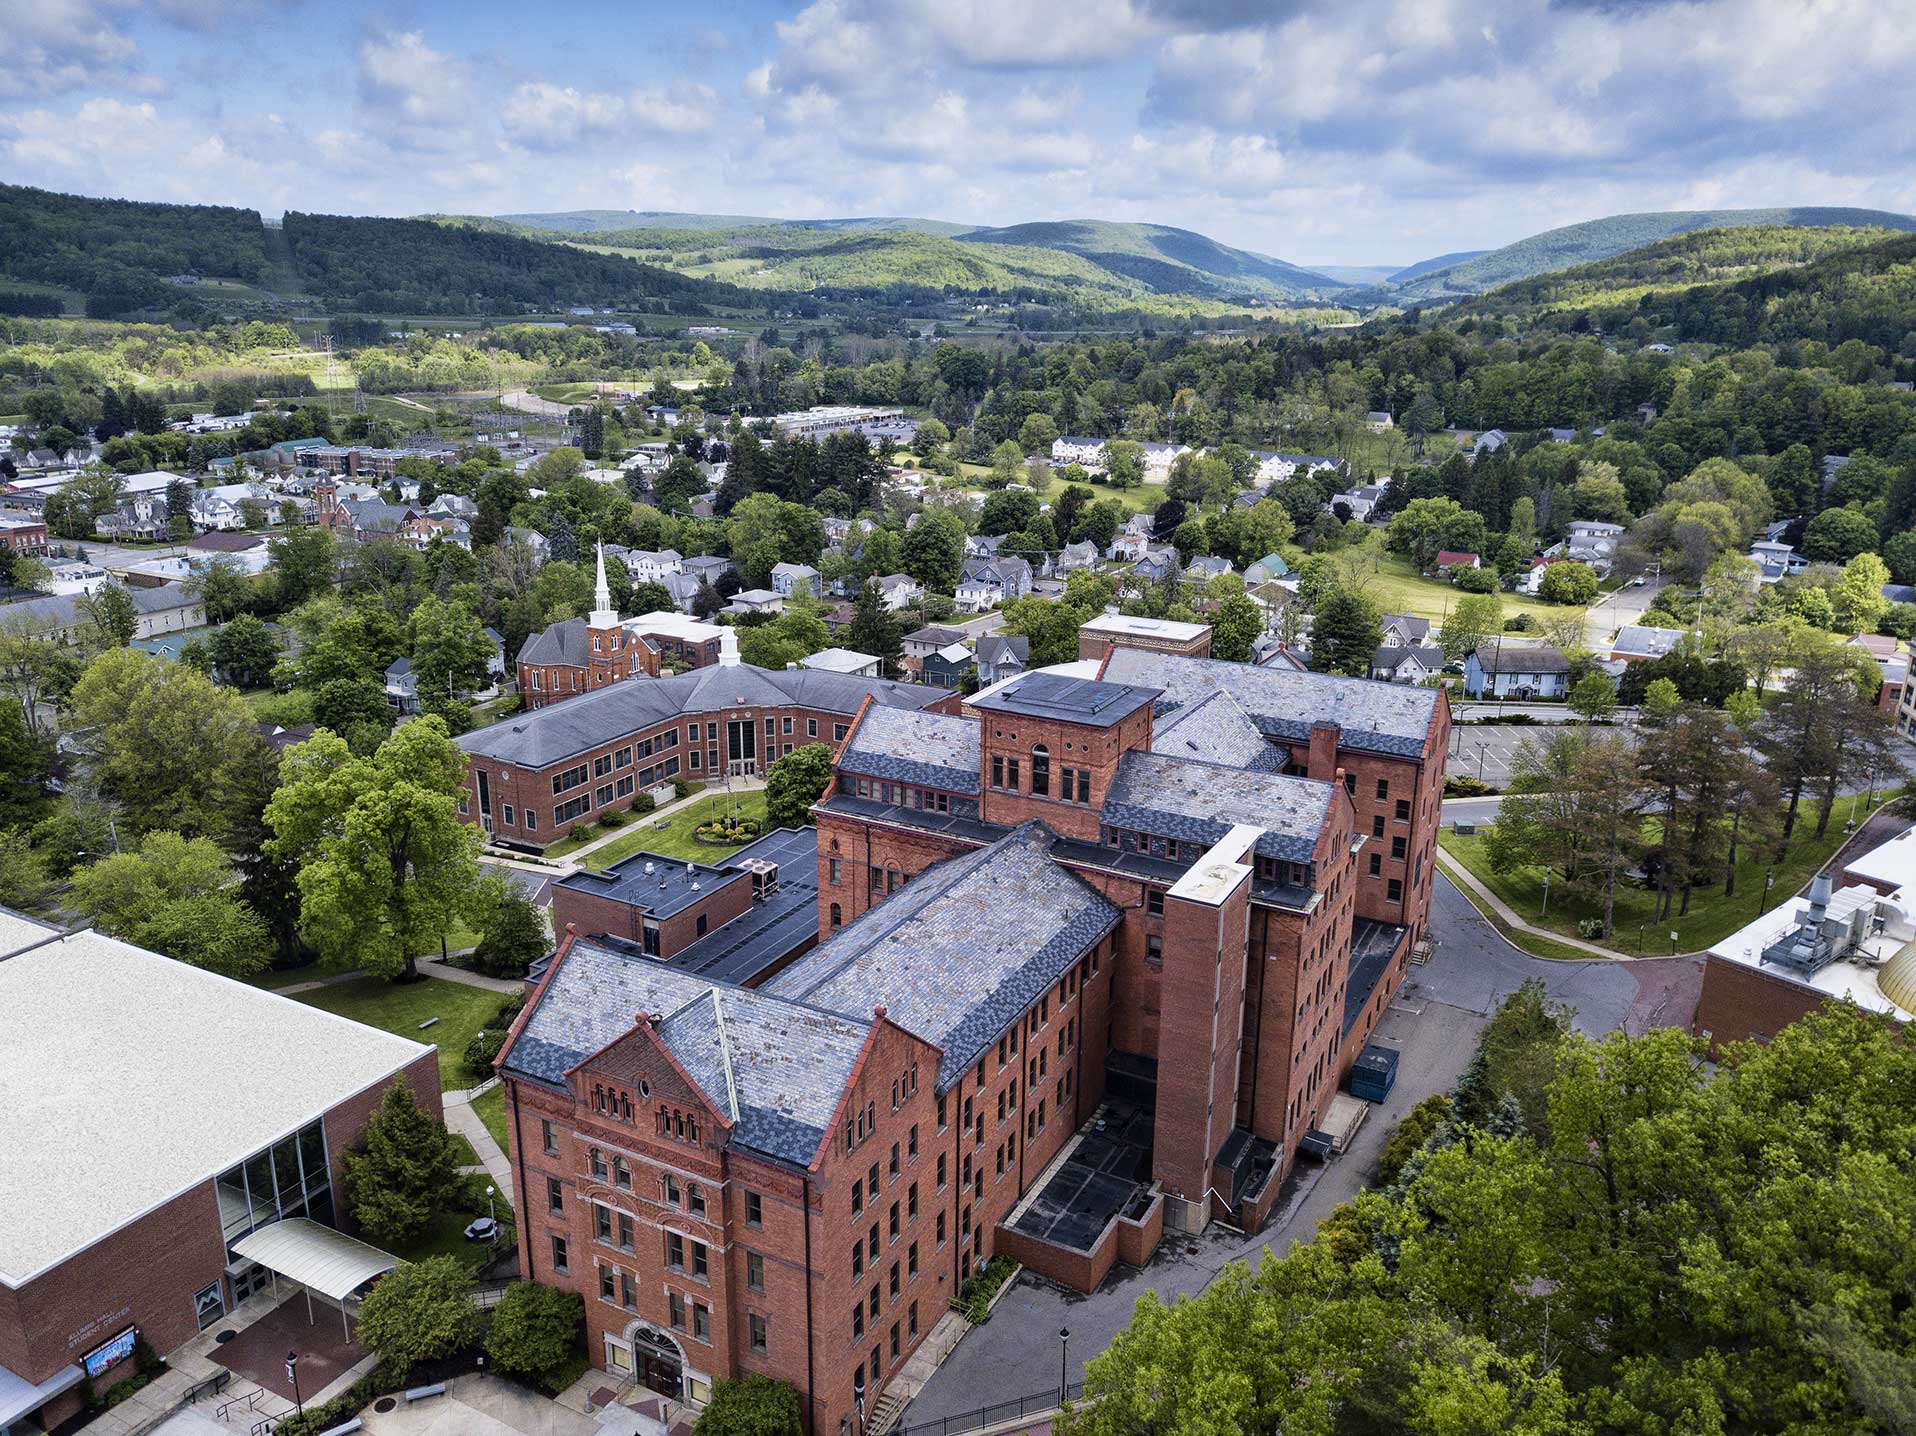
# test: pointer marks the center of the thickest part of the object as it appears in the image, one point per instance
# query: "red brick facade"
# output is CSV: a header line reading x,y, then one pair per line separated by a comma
x,y
147,1273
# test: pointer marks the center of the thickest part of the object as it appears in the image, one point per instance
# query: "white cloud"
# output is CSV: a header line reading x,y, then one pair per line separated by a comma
x,y
541,115
420,92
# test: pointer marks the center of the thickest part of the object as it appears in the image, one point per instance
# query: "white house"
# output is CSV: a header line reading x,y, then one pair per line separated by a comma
x,y
899,590
1407,664
1158,459
1077,449
1078,556
1517,668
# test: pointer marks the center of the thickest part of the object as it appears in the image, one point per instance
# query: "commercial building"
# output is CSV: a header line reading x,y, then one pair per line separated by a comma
x,y
156,1117
1107,631
1850,936
1094,956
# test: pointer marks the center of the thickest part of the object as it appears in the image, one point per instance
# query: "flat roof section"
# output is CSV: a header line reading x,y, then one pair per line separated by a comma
x,y
1163,628
1089,701
1108,1172
131,1078
1373,945
660,885
760,939
1892,863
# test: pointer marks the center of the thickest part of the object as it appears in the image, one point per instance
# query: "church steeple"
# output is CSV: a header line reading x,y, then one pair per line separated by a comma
x,y
604,615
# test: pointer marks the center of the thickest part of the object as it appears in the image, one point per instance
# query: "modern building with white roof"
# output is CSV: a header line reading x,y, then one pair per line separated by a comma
x,y
156,1116
1851,936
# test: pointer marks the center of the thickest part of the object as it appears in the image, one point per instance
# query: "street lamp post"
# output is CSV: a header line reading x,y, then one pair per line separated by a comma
x,y
1769,881
1546,896
1064,1362
292,1375
1480,762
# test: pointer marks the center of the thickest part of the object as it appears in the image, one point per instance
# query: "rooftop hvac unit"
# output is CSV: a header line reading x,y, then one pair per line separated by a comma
x,y
1831,929
764,877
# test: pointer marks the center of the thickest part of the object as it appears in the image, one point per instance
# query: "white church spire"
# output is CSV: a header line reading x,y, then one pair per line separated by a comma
x,y
604,615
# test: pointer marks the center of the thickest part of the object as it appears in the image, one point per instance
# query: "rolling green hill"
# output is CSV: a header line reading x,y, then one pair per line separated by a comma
x,y
1701,257
1169,261
599,221
1597,239
1425,266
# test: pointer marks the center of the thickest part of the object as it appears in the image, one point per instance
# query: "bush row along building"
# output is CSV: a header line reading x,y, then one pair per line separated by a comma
x,y
1174,897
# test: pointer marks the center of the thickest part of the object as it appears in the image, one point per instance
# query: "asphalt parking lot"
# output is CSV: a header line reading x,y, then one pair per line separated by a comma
x,y
1485,751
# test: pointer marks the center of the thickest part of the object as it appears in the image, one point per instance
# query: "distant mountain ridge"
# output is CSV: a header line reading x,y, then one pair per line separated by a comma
x,y
597,221
1598,239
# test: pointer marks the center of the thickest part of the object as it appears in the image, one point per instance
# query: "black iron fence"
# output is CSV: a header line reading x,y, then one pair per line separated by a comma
x,y
1039,1403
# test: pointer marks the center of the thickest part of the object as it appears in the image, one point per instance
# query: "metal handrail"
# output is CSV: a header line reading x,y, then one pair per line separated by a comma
x,y
1015,1409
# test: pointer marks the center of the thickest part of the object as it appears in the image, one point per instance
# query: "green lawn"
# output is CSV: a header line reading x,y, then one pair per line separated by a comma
x,y
972,476
1711,918
490,1106
447,1235
675,839
1395,586
468,1154
461,1011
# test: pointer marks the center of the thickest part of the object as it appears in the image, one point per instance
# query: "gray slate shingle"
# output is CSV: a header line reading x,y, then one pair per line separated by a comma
x,y
1199,802
903,746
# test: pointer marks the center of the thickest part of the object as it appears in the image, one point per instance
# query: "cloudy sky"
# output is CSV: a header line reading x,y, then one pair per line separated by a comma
x,y
1320,131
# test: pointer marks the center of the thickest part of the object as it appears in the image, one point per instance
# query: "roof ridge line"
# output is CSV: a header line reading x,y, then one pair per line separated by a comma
x,y
725,1054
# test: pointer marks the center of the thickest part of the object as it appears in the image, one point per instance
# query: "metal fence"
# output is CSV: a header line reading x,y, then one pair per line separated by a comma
x,y
1039,1403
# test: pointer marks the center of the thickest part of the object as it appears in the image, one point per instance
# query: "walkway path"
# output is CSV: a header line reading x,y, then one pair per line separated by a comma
x,y
462,1119
1461,875
433,967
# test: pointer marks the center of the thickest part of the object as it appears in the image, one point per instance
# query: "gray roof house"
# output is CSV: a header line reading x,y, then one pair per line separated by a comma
x,y
1407,663
1000,656
1517,668
786,578
1403,630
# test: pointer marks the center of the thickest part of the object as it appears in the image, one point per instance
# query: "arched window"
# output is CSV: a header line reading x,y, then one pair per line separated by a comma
x,y
1040,771
837,917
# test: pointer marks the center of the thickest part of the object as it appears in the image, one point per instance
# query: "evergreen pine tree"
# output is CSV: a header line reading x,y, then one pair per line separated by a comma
x,y
400,1175
873,630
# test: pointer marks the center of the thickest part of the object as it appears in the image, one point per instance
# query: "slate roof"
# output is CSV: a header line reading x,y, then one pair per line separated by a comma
x,y
961,951
902,746
563,642
1416,629
1375,717
1215,729
560,730
1200,802
777,1068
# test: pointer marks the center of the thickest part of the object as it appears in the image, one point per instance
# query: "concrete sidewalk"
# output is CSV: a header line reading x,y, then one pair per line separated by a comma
x,y
569,862
1484,897
462,1119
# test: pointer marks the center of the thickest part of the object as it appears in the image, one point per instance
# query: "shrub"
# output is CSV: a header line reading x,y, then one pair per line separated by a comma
x,y
419,1312
753,1406
536,1331
479,1053
1411,1135
515,937
975,1295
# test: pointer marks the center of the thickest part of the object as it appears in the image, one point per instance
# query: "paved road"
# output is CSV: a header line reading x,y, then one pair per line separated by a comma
x,y
1603,618
527,402
1487,751
1435,1023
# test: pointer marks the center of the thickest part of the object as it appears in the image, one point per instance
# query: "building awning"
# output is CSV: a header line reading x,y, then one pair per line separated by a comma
x,y
20,1397
317,1257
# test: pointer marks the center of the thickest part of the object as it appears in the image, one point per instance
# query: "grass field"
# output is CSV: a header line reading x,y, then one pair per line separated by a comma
x,y
1395,586
972,477
1711,917
461,1011
490,1108
675,840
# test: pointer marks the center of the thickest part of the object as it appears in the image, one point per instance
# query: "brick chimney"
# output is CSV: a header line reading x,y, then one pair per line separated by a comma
x,y
1323,759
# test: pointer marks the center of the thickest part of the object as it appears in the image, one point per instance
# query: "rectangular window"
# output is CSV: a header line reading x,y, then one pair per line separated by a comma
x,y
1154,951
757,1325
701,1260
811,727
1398,846
670,1185
675,1251
754,1272
1383,789
1154,901
858,1259
548,1137
997,770
1403,810
628,1291
559,1255
1350,784
1376,864
508,815
785,727
675,1308
839,730
608,1288
1393,890
555,1195
1377,826
911,1261
858,1318
602,1222
754,1210
694,1199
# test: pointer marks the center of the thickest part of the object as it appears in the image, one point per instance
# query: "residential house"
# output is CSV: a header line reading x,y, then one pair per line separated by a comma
x,y
1775,559
1268,569
1157,562
653,565
1078,556
1488,442
1449,559
1158,459
1402,630
1358,503
1590,542
1002,656
1128,547
756,600
899,591
1205,567
987,583
1517,668
1899,592
709,567
1378,420
1407,663
789,578
1275,467
923,642
845,660
1270,651
1639,643
983,545
947,667
167,608
402,687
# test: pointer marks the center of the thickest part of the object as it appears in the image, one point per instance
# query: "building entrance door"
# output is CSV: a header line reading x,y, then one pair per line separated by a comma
x,y
741,747
657,1364
254,1279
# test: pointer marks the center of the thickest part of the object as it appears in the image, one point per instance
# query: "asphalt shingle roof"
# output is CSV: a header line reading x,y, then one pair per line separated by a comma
x,y
1374,717
560,730
904,746
1513,657
1215,729
963,949
562,642
1199,802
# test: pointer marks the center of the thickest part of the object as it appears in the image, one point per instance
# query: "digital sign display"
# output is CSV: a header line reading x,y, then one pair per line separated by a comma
x,y
111,1353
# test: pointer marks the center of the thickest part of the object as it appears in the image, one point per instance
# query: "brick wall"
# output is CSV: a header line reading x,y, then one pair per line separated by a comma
x,y
1012,738
1740,1003
344,1124
619,917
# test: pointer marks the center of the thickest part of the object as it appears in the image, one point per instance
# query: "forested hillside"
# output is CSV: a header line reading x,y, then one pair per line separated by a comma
x,y
1601,238
410,266
118,253
1167,260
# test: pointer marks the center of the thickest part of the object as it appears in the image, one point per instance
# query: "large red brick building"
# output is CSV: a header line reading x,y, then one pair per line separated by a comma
x,y
156,1117
1174,899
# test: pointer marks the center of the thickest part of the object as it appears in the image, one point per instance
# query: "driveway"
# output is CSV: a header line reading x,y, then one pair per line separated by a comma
x,y
1435,1023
